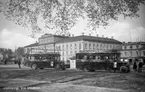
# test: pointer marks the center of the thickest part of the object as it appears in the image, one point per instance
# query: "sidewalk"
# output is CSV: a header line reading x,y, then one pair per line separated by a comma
x,y
13,66
46,86
65,87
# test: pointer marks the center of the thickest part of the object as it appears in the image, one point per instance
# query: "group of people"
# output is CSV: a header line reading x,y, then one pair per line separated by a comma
x,y
137,66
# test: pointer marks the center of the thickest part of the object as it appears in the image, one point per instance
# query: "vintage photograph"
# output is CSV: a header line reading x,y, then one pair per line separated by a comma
x,y
72,45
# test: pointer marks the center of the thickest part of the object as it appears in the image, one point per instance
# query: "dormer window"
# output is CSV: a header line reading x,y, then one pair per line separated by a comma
x,y
130,47
137,46
124,47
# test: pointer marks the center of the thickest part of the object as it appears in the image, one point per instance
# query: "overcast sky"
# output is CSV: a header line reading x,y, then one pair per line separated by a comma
x,y
13,36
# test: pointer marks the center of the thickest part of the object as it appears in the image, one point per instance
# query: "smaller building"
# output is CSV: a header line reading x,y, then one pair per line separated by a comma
x,y
46,43
133,51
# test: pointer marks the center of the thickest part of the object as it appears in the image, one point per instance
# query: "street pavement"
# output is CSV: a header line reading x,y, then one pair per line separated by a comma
x,y
13,66
30,85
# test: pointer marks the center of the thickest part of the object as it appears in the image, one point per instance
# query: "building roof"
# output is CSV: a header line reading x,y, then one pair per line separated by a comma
x,y
89,38
51,35
84,38
31,45
134,43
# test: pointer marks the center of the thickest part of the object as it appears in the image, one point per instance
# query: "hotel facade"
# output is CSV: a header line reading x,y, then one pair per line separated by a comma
x,y
69,46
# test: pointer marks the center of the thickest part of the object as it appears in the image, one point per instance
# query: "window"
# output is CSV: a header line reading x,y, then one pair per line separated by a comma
x,y
137,46
130,53
71,53
137,53
75,46
66,47
107,46
62,47
130,47
80,46
63,53
89,46
144,53
85,45
124,47
59,48
70,46
75,52
113,46
93,46
104,45
125,53
110,46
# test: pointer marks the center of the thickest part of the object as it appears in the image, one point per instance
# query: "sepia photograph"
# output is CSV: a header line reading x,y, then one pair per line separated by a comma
x,y
72,45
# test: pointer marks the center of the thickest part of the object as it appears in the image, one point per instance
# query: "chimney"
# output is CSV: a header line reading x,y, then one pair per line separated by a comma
x,y
112,37
103,36
69,35
97,35
82,33
63,34
72,35
89,34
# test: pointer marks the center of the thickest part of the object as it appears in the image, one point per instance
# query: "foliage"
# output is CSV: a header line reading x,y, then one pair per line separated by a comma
x,y
6,52
64,14
20,51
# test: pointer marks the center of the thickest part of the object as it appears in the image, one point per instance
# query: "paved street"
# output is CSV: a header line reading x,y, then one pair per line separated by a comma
x,y
13,79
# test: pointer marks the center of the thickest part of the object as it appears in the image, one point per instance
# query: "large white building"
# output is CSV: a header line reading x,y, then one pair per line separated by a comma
x,y
69,46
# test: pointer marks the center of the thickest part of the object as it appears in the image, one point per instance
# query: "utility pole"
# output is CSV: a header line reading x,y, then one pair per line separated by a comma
x,y
54,43
130,36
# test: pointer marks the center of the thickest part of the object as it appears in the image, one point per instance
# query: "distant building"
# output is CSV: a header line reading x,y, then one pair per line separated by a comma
x,y
46,43
133,50
32,48
69,46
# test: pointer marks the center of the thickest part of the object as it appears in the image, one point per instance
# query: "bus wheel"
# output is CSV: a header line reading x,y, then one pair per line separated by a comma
x,y
63,67
41,68
123,69
34,66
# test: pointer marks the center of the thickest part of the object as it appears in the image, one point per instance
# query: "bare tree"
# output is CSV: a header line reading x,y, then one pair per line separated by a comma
x,y
62,15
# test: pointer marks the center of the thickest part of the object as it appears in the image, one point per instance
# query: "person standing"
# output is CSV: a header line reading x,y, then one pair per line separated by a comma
x,y
115,65
140,65
135,66
6,59
19,62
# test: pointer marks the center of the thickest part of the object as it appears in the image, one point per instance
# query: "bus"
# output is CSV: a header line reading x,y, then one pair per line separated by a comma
x,y
46,60
100,61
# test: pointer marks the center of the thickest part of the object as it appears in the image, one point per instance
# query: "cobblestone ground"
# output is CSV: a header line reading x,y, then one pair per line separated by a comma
x,y
13,79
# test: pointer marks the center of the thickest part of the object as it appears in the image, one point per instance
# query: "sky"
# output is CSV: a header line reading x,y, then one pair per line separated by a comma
x,y
13,36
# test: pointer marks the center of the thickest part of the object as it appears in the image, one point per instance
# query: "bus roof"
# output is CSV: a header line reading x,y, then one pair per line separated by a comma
x,y
44,54
100,53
